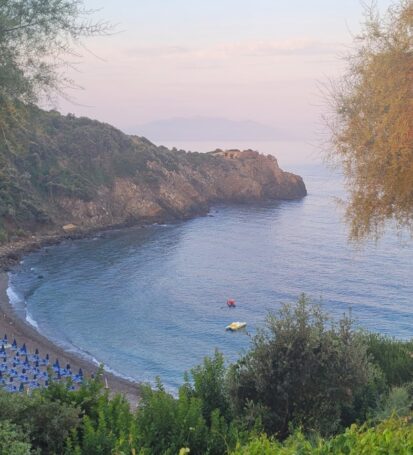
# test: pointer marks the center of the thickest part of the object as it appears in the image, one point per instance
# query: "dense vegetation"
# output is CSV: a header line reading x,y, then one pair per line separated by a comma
x,y
45,156
37,40
306,386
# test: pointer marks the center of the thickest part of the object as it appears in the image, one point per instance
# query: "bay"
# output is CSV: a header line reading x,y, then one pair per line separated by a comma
x,y
150,301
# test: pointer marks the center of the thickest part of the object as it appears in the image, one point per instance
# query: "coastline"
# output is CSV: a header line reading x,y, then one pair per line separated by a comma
x,y
11,252
15,327
11,323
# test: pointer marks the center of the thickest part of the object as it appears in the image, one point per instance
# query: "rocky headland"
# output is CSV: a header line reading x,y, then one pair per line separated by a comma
x,y
63,176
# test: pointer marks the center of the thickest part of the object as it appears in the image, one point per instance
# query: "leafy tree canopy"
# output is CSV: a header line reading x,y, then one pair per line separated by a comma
x,y
372,123
36,39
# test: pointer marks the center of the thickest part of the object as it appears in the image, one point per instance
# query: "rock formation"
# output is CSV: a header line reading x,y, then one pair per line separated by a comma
x,y
62,170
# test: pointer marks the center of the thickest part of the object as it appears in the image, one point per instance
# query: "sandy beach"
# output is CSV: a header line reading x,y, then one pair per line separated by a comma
x,y
15,327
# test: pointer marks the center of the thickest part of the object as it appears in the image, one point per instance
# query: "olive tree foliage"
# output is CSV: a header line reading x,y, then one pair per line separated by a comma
x,y
302,370
371,123
37,40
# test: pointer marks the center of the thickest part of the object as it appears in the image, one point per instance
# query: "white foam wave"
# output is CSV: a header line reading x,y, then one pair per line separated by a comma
x,y
19,304
32,321
14,298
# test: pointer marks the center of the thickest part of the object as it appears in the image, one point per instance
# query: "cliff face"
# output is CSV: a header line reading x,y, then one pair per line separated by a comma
x,y
187,190
56,170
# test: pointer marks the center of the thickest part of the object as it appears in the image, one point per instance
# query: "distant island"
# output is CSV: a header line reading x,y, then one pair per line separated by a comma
x,y
208,129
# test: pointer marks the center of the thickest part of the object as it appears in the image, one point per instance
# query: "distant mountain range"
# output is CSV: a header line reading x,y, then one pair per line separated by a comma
x,y
208,129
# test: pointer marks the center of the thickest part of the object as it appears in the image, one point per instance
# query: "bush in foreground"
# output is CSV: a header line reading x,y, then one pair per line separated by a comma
x,y
302,370
393,436
302,383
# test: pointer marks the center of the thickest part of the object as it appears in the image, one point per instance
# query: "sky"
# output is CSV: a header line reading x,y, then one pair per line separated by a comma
x,y
260,60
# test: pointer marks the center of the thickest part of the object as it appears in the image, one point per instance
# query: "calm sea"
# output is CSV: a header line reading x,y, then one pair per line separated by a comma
x,y
151,301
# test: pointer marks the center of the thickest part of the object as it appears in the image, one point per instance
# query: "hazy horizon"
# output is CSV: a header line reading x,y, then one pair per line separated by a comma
x,y
258,62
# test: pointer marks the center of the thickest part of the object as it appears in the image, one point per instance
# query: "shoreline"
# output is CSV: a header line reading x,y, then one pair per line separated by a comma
x,y
12,251
16,327
11,323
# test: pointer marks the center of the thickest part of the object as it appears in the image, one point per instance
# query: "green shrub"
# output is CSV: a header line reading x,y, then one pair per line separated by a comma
x,y
12,440
393,436
301,371
398,403
48,424
209,386
367,400
166,424
198,419
394,357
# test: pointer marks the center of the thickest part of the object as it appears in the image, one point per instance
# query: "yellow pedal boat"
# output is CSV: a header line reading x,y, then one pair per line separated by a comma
x,y
236,326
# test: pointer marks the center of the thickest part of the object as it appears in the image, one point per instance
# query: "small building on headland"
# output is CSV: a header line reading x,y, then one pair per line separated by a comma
x,y
235,153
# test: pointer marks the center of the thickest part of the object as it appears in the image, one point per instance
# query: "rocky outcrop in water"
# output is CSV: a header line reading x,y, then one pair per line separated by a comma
x,y
65,171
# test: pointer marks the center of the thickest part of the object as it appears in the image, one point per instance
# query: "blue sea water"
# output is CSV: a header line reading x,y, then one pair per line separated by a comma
x,y
151,301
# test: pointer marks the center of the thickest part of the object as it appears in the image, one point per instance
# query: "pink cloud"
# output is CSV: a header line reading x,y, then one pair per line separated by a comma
x,y
299,46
